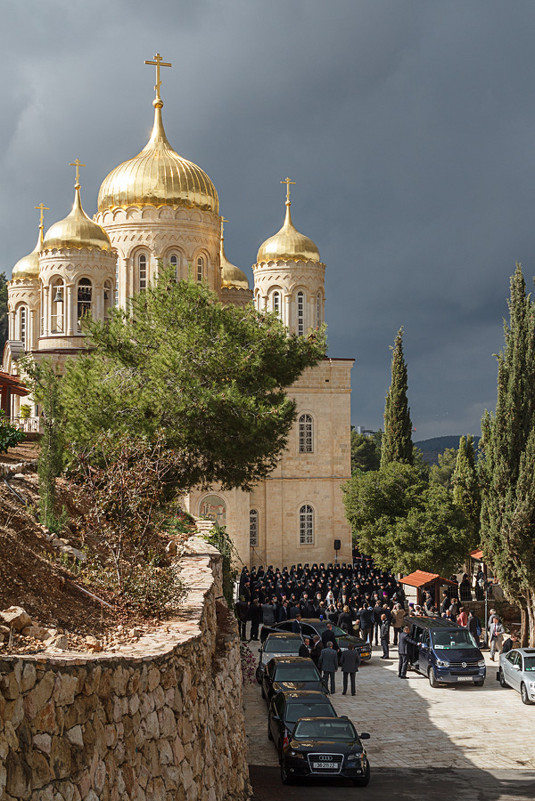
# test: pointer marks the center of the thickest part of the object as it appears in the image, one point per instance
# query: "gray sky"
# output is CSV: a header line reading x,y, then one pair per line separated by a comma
x,y
409,126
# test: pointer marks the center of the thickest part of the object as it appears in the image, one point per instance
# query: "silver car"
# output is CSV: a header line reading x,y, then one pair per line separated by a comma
x,y
281,644
517,670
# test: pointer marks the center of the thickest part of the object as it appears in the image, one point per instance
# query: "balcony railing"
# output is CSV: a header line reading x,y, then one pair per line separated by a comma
x,y
30,425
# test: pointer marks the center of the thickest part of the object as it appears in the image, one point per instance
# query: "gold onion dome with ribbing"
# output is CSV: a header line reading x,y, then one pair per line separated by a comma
x,y
231,276
76,231
28,266
288,244
158,177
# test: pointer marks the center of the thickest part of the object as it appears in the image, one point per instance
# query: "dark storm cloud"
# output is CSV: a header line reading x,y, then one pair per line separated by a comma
x,y
408,127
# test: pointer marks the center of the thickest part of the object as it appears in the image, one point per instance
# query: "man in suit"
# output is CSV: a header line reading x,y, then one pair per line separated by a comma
x,y
403,651
328,636
496,631
304,648
328,663
385,635
349,662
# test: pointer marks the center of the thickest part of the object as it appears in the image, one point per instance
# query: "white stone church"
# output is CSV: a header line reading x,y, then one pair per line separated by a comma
x,y
159,206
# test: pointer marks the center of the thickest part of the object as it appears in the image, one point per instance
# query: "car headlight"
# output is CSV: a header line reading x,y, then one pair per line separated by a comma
x,y
481,663
355,757
442,663
297,754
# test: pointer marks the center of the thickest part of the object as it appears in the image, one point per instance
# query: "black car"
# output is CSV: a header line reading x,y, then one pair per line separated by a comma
x,y
290,673
311,626
287,707
321,747
281,643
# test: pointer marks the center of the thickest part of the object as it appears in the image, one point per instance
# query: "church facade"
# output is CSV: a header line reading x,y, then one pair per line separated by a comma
x,y
159,207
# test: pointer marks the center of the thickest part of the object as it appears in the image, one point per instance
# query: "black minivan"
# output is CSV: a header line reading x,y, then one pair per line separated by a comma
x,y
445,652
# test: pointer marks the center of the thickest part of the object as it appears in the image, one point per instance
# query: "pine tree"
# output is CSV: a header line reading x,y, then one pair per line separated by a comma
x,y
508,497
466,491
397,436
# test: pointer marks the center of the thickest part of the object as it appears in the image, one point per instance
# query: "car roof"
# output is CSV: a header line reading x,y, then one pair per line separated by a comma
x,y
283,635
305,695
431,623
291,660
326,719
526,651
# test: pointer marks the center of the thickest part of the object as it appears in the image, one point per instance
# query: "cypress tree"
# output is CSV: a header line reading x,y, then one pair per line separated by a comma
x,y
396,444
465,481
508,497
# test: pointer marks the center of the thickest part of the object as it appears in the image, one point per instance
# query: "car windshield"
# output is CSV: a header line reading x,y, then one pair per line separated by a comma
x,y
444,640
307,710
335,729
296,673
281,646
529,663
337,631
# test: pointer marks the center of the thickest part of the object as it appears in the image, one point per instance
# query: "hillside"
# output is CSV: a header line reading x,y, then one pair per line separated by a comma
x,y
432,447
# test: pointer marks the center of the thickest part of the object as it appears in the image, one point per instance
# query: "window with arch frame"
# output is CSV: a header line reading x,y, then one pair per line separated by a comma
x,y
306,525
23,325
200,269
142,271
300,314
253,528
84,299
276,303
306,434
173,262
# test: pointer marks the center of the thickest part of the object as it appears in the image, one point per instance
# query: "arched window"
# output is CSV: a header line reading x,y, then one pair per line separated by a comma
x,y
253,528
300,313
142,271
318,310
56,295
173,260
200,268
276,300
306,525
23,325
85,292
306,434
116,290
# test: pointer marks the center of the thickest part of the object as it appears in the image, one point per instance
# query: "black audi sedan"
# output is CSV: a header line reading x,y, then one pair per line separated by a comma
x,y
290,673
321,747
287,707
311,626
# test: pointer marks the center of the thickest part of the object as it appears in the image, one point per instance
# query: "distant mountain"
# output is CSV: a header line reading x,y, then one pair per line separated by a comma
x,y
432,447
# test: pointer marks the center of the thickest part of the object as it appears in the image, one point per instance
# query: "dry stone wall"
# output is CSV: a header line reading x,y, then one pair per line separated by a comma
x,y
160,720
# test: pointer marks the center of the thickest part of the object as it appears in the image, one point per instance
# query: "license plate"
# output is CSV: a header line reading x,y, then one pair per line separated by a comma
x,y
464,678
324,766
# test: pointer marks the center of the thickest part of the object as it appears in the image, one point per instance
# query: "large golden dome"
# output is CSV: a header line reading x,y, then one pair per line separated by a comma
x,y
158,177
288,244
76,231
28,266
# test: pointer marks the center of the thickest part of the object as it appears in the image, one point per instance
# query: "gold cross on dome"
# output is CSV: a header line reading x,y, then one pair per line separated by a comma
x,y
42,208
158,62
287,181
223,221
77,163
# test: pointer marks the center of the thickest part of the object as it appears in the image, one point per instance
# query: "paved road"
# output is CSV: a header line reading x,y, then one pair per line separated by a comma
x,y
460,742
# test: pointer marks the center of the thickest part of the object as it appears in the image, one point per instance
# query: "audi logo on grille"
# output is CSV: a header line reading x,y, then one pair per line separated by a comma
x,y
325,758
463,664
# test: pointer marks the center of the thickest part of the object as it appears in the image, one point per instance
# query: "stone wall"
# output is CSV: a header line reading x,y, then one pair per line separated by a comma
x,y
160,720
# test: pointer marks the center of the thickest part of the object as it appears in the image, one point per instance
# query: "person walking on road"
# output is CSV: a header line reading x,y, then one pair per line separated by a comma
x,y
349,662
398,617
328,663
496,631
403,650
385,635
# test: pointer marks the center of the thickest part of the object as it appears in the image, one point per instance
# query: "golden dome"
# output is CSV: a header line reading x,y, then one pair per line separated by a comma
x,y
28,266
158,177
288,244
231,276
76,231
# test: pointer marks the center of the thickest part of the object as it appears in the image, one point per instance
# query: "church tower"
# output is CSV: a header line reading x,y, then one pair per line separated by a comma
x,y
160,206
289,277
76,271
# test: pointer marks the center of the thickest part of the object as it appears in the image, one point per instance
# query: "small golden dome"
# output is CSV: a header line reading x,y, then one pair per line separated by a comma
x,y
28,266
76,231
231,276
158,177
288,244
